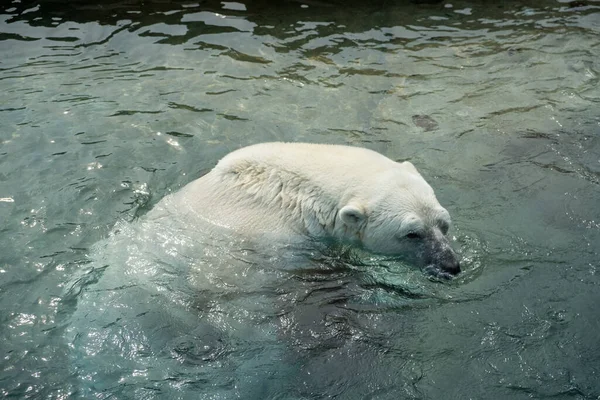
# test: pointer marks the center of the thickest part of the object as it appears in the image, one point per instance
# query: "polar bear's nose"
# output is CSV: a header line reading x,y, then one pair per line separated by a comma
x,y
451,266
447,261
445,267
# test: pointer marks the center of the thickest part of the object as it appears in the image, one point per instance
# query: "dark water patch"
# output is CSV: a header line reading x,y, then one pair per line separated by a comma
x,y
239,56
350,132
189,108
233,117
13,109
516,109
368,71
93,142
63,39
221,92
179,134
13,36
240,78
425,122
133,112
17,77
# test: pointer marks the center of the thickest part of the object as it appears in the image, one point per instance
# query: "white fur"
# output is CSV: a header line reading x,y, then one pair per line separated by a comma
x,y
298,189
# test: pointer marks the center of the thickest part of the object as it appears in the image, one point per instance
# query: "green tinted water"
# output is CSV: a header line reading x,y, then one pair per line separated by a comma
x,y
107,107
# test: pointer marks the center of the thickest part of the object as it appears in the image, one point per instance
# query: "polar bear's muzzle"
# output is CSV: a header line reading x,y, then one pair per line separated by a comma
x,y
441,260
449,263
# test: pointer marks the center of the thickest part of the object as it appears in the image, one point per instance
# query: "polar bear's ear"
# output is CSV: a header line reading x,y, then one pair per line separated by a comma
x,y
352,215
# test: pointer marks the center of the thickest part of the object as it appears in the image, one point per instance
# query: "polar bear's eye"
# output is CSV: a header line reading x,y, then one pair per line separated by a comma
x,y
444,226
413,235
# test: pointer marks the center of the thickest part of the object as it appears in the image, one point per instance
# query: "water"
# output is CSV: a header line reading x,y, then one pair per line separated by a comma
x,y
107,107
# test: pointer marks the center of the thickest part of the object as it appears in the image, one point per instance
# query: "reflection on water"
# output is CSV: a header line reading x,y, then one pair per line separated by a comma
x,y
107,107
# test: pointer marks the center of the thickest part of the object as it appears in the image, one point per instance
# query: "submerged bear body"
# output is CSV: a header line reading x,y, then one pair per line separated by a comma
x,y
295,191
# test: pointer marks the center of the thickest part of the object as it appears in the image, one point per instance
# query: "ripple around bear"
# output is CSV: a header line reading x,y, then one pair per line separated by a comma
x,y
295,191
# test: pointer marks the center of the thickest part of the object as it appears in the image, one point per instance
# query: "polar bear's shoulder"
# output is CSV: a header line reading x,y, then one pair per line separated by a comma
x,y
295,185
306,158
281,172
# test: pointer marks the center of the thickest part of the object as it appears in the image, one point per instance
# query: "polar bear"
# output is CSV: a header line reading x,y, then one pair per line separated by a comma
x,y
291,191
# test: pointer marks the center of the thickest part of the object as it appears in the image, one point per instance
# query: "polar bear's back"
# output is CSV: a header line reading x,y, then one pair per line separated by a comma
x,y
284,185
316,160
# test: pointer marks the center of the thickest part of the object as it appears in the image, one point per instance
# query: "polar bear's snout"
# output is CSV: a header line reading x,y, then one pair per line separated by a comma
x,y
449,262
441,258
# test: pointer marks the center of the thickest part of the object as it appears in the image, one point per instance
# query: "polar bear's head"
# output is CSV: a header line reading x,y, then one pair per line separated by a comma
x,y
401,216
